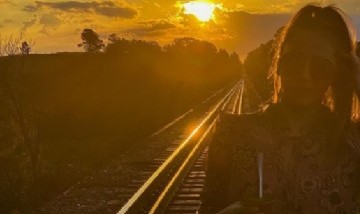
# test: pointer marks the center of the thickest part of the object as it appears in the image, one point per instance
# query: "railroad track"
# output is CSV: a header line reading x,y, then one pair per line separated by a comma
x,y
173,181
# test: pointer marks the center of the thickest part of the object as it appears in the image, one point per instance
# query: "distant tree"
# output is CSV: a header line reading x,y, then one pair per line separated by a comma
x,y
117,45
235,57
257,66
223,53
188,45
11,45
91,41
113,38
25,48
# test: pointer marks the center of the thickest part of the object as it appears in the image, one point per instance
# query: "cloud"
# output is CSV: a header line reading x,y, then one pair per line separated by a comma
x,y
5,2
87,21
30,8
151,28
8,21
49,22
104,8
29,24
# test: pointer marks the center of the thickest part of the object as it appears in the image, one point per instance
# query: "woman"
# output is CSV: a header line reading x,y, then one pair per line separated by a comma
x,y
310,144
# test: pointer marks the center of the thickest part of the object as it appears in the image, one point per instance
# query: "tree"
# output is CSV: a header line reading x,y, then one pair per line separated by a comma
x,y
113,38
91,41
117,45
25,48
11,45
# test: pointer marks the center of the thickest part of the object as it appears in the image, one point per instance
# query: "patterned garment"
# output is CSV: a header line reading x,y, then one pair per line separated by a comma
x,y
302,174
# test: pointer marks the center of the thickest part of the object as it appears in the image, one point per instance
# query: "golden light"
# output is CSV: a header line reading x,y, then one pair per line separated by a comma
x,y
202,10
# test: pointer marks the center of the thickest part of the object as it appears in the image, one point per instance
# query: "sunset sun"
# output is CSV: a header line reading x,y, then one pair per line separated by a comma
x,y
202,10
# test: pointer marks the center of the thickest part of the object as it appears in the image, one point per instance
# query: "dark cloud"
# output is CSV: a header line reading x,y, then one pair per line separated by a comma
x,y
151,28
117,12
105,8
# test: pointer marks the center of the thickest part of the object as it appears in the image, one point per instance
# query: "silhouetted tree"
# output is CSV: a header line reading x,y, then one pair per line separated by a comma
x,y
257,66
235,57
25,48
113,38
188,45
91,41
11,45
118,45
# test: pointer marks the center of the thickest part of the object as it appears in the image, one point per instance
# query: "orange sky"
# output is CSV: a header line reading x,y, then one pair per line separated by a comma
x,y
240,25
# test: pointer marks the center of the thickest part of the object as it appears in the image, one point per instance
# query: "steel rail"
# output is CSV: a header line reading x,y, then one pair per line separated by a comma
x,y
183,166
158,205
170,159
239,110
173,122
234,109
232,91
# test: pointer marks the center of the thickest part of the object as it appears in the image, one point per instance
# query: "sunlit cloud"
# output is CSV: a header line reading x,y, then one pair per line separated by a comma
x,y
151,28
88,21
105,8
7,21
3,2
49,22
204,11
28,24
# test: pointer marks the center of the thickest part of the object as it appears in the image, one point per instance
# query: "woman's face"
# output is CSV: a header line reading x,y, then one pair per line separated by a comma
x,y
306,67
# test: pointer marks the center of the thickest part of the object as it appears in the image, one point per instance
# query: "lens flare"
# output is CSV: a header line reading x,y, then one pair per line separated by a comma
x,y
202,10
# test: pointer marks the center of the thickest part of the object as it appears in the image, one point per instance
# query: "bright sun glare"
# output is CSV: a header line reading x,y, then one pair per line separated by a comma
x,y
202,10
